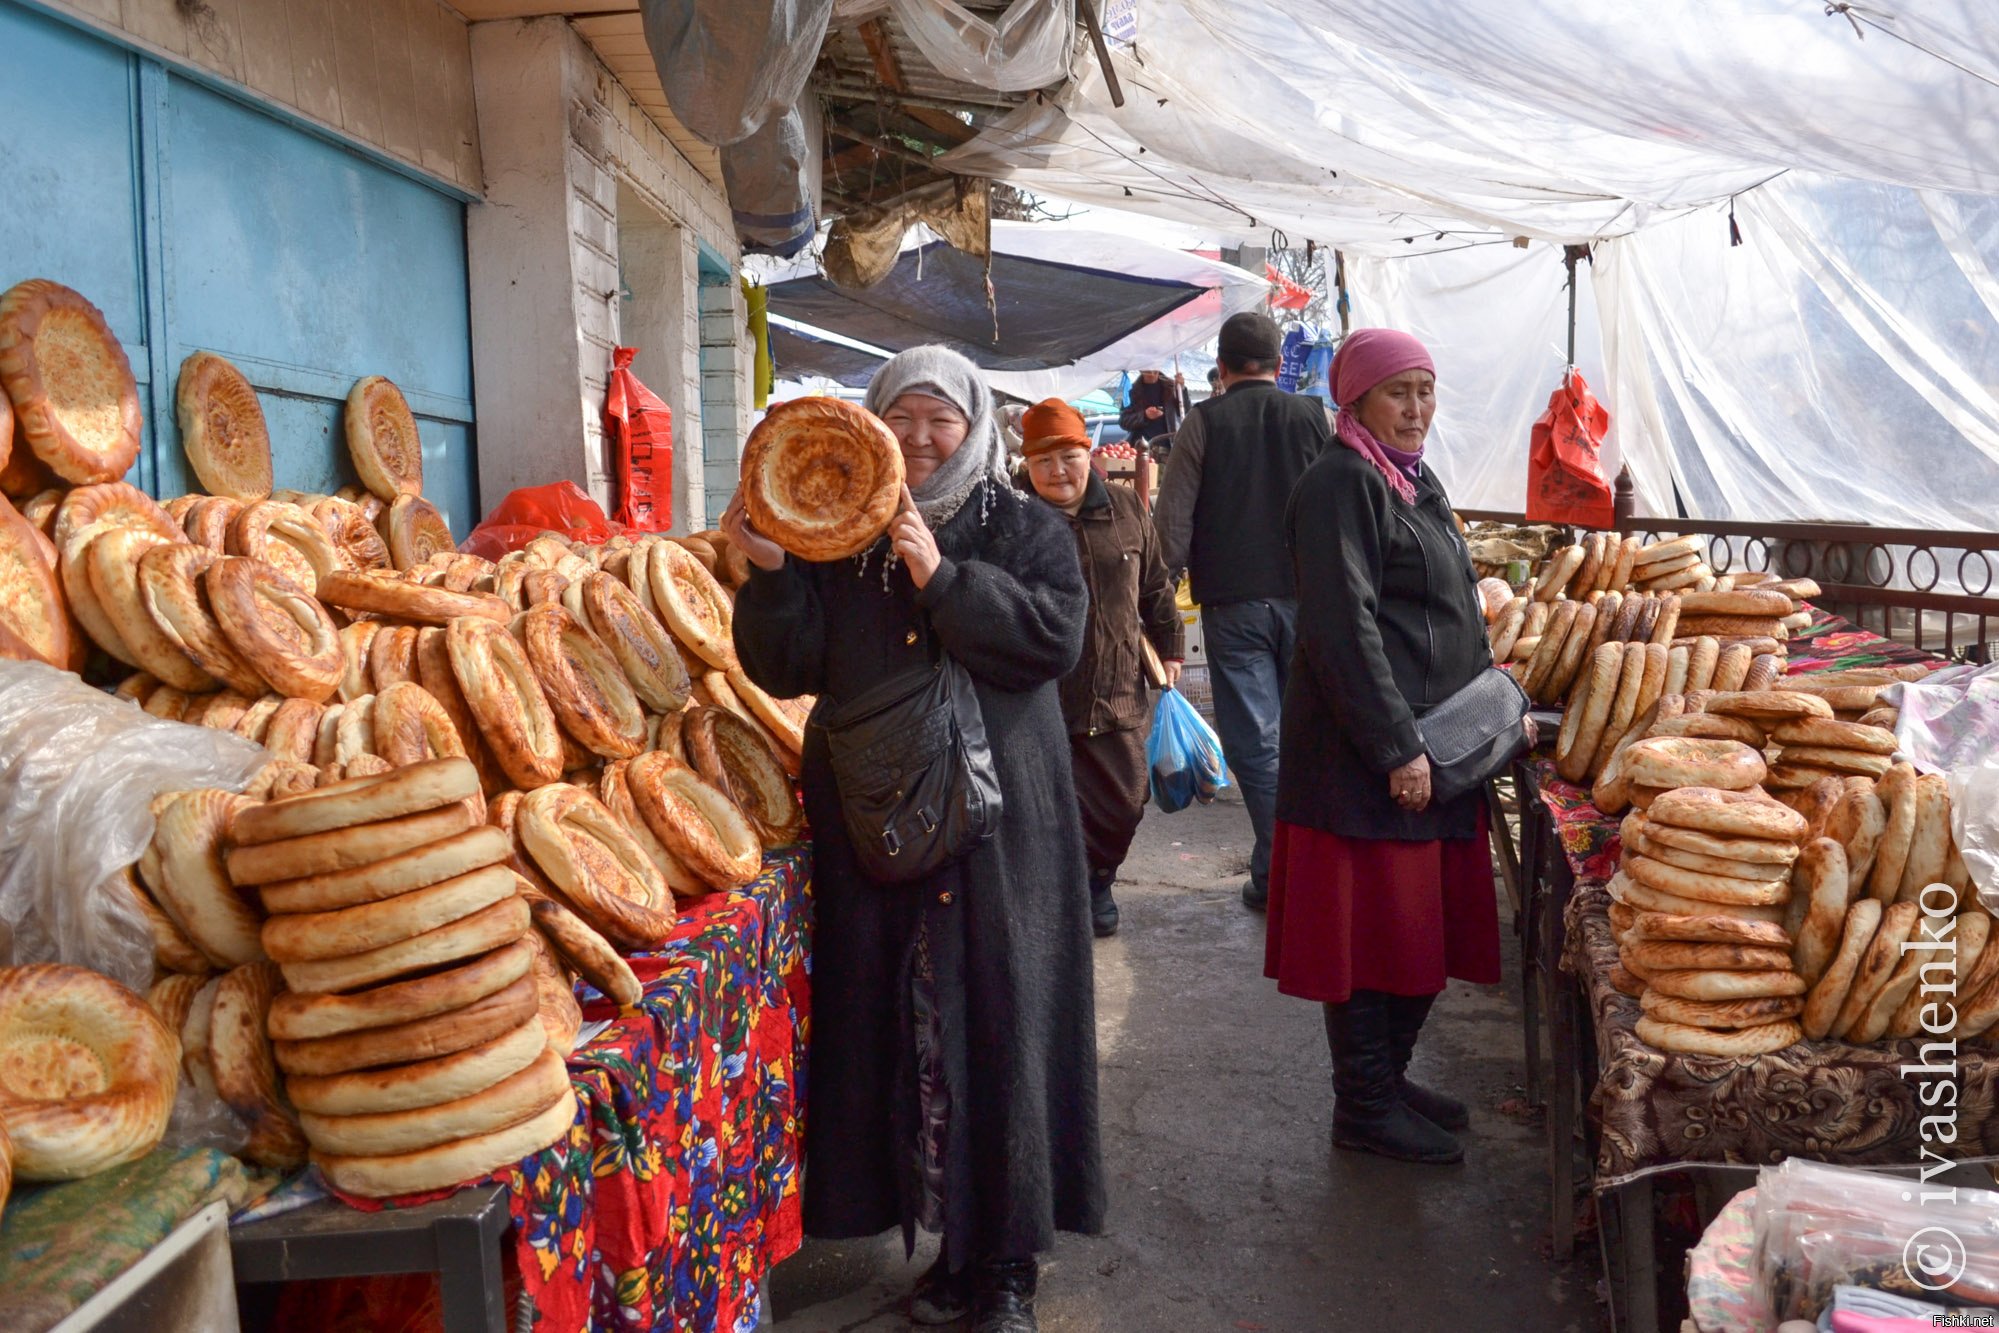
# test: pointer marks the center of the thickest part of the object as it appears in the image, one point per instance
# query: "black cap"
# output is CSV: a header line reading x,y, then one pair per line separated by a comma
x,y
1251,336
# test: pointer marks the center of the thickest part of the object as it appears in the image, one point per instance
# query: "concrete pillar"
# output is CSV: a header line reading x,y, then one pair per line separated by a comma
x,y
659,260
526,363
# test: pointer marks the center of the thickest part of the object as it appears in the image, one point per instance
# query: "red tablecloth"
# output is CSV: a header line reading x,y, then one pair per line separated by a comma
x,y
677,1189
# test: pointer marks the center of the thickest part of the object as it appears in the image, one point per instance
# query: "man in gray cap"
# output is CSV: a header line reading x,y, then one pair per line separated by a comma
x,y
1221,518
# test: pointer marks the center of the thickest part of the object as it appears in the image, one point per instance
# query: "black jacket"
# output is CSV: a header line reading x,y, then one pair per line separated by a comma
x,y
1389,625
1222,497
1007,930
1129,595
1164,393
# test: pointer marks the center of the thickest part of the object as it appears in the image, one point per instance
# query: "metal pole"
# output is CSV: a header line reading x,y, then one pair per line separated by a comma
x,y
1344,306
1089,12
1569,259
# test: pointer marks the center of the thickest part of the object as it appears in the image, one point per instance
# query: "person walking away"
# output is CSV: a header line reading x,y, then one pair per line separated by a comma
x,y
1221,518
1377,892
953,1079
1154,411
1104,699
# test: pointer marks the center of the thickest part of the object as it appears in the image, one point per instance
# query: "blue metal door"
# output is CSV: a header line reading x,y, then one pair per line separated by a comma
x,y
198,222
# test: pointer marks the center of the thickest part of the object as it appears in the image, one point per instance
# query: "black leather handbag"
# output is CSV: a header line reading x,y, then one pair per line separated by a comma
x,y
917,785
1473,734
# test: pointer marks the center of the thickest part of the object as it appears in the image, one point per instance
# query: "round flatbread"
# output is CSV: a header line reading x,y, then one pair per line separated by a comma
x,y
1743,1044
1703,886
1724,1015
382,439
692,604
1900,795
32,613
417,532
1727,814
822,478
1678,761
75,401
222,428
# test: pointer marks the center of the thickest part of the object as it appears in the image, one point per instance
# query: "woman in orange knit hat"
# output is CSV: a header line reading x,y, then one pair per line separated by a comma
x,y
1104,699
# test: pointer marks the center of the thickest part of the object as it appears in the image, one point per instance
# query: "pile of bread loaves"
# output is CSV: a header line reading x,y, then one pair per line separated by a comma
x,y
1747,920
614,757
1722,632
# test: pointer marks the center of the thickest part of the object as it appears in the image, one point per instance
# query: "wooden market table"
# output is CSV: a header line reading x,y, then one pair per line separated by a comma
x,y
672,1197
1640,1111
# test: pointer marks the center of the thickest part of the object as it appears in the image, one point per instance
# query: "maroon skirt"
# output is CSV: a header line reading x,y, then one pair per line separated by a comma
x,y
1350,914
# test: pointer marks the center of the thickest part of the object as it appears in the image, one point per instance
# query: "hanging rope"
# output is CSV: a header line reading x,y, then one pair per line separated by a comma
x,y
1857,15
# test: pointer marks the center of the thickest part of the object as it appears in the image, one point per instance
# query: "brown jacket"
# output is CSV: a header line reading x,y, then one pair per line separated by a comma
x,y
1130,594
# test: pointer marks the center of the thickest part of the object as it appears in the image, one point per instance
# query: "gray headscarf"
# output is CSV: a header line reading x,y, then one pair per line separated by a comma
x,y
944,374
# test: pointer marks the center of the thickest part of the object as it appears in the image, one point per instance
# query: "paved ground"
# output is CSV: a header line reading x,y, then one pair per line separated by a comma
x,y
1229,1208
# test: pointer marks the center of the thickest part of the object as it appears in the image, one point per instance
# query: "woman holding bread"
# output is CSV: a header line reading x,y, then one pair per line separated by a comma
x,y
1378,894
953,1070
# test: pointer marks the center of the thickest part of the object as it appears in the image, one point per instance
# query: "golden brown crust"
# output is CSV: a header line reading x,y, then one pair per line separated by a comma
x,y
286,538
175,600
588,952
433,669
1744,1043
76,404
596,866
193,885
640,643
297,1017
222,428
280,629
513,1099
451,1163
294,730
583,683
692,604
421,1083
483,931
417,531
412,727
345,931
429,863
382,439
514,716
31,605
697,823
735,760
239,1059
87,1071
352,533
1726,814
420,1039
1680,761
385,594
345,848
85,514
822,478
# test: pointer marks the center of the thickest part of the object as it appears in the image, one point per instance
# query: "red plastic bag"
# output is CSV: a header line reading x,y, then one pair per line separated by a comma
x,y
1565,470
638,428
559,507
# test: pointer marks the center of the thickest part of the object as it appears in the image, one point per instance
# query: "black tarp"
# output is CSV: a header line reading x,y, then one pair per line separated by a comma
x,y
797,354
1049,314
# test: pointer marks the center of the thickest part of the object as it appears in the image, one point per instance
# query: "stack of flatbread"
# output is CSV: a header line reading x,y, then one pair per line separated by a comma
x,y
1699,911
409,1026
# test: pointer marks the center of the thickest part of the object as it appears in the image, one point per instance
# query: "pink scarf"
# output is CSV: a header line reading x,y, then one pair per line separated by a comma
x,y
1365,359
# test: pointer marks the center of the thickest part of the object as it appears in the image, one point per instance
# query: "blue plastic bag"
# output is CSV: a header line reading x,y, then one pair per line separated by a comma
x,y
1184,754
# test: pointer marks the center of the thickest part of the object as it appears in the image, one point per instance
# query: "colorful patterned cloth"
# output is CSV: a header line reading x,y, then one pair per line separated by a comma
x,y
677,1189
61,1244
1825,1100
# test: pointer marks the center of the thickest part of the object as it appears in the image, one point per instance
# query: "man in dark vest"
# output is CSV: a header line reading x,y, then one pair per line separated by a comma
x,y
1221,518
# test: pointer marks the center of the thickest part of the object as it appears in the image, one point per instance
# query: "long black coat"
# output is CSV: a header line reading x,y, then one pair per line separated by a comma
x,y
1389,626
1008,928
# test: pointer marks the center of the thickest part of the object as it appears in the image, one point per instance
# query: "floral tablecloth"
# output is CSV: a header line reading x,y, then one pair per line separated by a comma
x,y
678,1188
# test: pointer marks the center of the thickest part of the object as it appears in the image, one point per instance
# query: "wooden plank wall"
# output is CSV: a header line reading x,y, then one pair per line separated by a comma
x,y
393,74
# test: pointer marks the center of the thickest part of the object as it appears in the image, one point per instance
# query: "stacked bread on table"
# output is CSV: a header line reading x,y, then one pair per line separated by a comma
x,y
1722,631
622,760
1850,866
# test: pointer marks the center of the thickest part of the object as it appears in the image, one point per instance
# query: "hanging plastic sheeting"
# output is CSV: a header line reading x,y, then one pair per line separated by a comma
x,y
1840,365
1774,81
1027,46
773,180
1352,124
731,66
1495,320
1249,120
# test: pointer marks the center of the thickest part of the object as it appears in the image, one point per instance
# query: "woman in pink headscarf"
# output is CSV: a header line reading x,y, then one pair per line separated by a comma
x,y
1378,894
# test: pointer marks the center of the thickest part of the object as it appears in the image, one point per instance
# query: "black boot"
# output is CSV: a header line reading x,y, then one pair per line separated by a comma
x,y
1368,1111
1406,1016
1003,1301
1103,907
941,1296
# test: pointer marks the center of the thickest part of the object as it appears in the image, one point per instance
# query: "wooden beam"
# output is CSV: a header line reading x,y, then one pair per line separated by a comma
x,y
874,33
949,128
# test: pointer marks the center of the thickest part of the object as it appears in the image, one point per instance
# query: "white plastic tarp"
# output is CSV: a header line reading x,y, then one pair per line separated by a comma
x,y
1496,322
1181,330
1027,45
